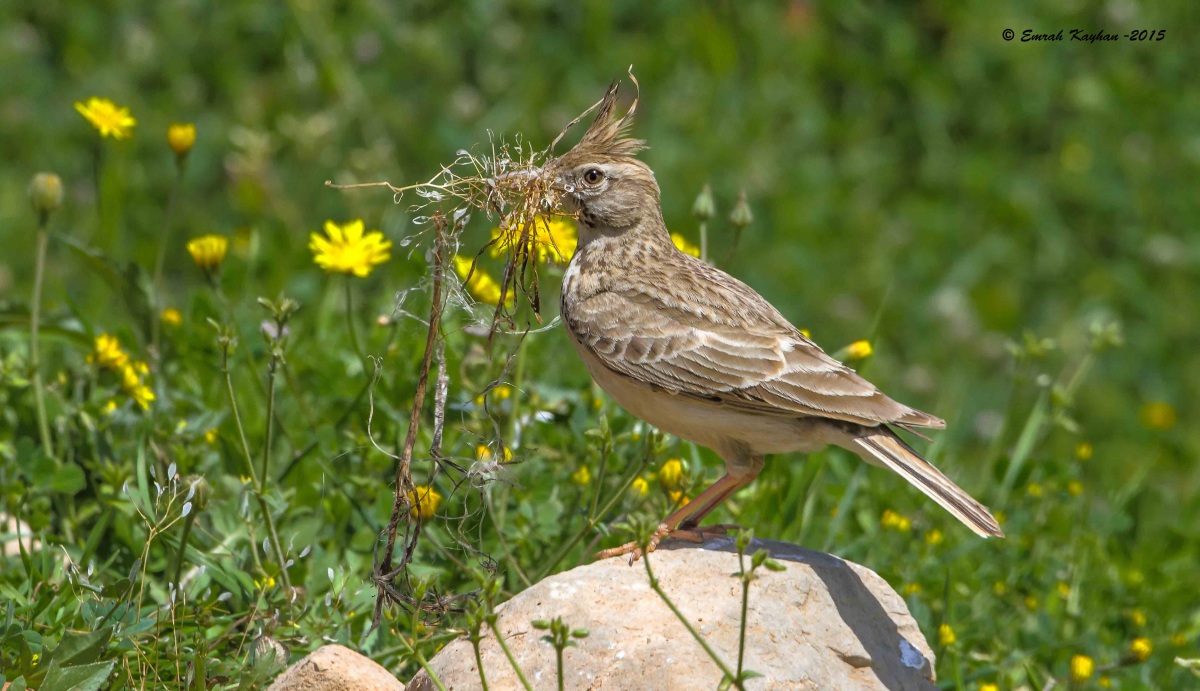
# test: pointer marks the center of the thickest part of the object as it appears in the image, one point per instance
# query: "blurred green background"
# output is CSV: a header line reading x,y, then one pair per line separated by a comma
x,y
916,180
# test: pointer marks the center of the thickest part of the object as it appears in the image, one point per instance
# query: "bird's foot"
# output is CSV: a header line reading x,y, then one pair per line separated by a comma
x,y
695,534
634,549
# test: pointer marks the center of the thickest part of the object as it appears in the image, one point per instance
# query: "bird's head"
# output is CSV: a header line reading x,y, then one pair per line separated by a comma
x,y
601,180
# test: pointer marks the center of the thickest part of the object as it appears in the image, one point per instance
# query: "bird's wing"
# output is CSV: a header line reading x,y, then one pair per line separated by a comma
x,y
731,348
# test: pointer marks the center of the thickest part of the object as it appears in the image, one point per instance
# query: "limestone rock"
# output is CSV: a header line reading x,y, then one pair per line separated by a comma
x,y
823,623
336,668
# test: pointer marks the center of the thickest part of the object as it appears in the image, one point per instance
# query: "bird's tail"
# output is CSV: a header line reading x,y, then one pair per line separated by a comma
x,y
882,446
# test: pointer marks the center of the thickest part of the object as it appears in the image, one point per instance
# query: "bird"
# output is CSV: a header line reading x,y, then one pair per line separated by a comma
x,y
699,354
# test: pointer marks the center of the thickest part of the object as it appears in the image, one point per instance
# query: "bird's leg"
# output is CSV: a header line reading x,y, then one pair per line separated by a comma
x,y
705,502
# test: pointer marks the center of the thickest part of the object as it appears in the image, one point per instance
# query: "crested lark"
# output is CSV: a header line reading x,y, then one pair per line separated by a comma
x,y
697,353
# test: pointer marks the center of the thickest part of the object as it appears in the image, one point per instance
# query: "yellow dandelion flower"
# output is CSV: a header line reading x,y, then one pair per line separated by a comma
x,y
108,353
582,476
110,406
502,392
1064,589
911,589
142,395
1179,640
265,583
1104,682
108,118
424,501
1000,587
171,317
347,249
640,487
671,475
210,436
946,635
480,283
1157,415
181,137
889,519
685,246
904,525
679,498
806,333
1074,488
988,687
1083,451
1082,668
934,538
554,238
484,452
1141,648
1031,602
1137,617
208,251
1034,490
859,350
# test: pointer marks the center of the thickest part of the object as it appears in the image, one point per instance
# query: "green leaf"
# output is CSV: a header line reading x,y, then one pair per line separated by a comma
x,y
127,279
78,677
81,648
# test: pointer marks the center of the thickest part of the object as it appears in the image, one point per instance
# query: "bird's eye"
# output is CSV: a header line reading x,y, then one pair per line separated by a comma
x,y
593,176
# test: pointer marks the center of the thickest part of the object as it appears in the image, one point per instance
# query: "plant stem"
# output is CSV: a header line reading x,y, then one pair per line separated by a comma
x,y
508,653
745,607
272,365
654,585
558,653
265,510
183,542
156,319
35,355
350,322
479,660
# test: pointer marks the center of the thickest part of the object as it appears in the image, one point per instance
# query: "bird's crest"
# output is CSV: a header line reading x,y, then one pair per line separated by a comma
x,y
608,134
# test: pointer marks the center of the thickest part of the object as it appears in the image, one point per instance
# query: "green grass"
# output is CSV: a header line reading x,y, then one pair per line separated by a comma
x,y
990,215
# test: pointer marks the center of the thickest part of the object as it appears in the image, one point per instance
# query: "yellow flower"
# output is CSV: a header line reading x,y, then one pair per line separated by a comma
x,y
1034,490
424,501
1137,617
483,453
1031,602
171,317
108,353
1141,648
554,238
1000,588
582,476
265,582
889,519
1104,682
181,137
946,635
481,285
640,487
678,498
1064,589
988,687
1157,415
210,436
911,589
1001,517
1074,488
110,406
859,350
208,251
934,537
1083,451
806,333
107,117
131,381
1082,668
348,250
1179,640
671,475
685,246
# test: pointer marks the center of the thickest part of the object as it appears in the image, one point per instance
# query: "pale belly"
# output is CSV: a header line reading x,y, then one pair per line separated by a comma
x,y
729,432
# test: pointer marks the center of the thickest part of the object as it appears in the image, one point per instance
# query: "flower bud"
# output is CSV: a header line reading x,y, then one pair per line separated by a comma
x,y
181,137
45,193
704,207
741,216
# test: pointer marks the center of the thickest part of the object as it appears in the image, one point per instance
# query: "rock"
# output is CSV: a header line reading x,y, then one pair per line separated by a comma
x,y
10,545
336,668
823,623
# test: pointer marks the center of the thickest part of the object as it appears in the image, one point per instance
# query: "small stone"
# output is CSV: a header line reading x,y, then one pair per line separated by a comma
x,y
336,668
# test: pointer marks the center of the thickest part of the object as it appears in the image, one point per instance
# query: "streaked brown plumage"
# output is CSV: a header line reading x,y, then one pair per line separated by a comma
x,y
701,355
